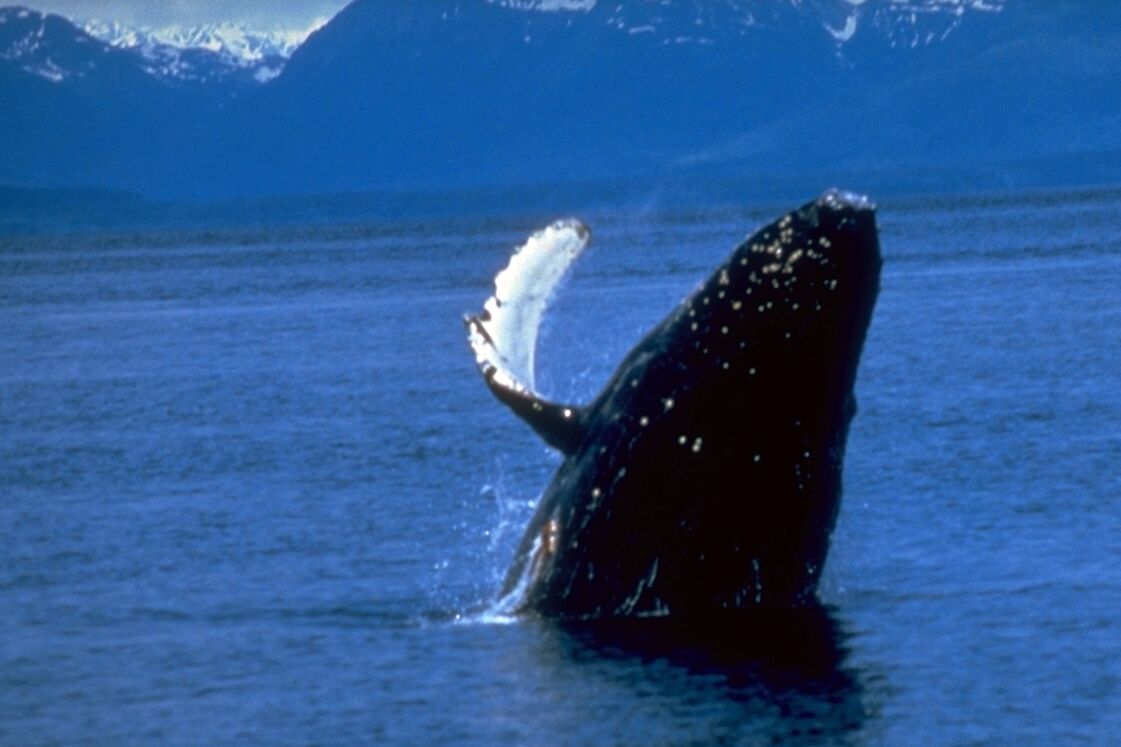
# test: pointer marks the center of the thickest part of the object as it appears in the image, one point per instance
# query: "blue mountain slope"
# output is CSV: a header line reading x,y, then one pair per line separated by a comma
x,y
457,91
78,111
1039,79
443,93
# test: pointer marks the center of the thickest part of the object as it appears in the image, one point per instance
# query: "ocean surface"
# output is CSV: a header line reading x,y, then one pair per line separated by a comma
x,y
254,492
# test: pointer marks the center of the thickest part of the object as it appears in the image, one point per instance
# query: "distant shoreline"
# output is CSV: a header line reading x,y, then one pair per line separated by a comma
x,y
40,210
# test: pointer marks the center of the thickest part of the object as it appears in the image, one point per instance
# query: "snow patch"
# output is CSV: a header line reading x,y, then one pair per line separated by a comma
x,y
48,70
547,6
842,35
238,43
265,73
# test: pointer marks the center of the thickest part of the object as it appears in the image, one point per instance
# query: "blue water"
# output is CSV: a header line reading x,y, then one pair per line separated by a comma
x,y
253,492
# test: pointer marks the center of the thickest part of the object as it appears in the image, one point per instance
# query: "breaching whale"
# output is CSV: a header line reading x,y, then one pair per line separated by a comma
x,y
706,475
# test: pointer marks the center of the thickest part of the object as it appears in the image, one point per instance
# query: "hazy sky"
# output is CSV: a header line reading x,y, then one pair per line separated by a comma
x,y
258,13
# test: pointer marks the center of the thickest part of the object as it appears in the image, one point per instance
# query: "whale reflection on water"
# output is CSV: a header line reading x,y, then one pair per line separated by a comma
x,y
786,671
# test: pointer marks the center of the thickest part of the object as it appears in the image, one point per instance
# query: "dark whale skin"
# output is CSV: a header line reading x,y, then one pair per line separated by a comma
x,y
706,476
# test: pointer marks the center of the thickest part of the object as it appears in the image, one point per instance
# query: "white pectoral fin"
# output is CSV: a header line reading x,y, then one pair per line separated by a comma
x,y
504,335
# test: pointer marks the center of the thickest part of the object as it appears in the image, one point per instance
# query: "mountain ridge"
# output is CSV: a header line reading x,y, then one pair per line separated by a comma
x,y
392,94
213,53
263,52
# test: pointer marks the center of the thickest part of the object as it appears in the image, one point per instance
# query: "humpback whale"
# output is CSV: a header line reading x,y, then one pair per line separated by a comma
x,y
706,475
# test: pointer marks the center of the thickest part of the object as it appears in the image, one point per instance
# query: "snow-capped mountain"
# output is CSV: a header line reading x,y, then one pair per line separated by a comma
x,y
226,51
167,49
56,49
47,46
396,93
235,40
908,23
